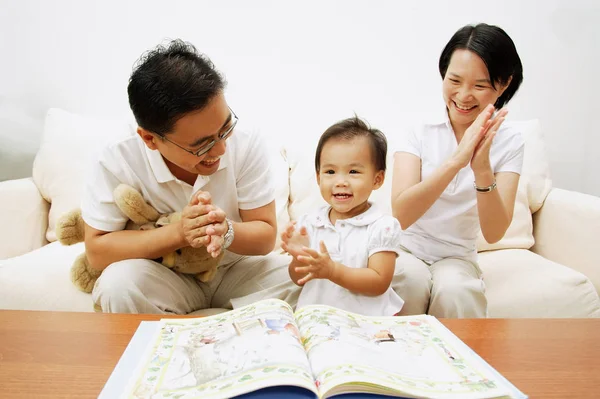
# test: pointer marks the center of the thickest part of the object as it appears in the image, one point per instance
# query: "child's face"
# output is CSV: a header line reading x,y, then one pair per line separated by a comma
x,y
348,176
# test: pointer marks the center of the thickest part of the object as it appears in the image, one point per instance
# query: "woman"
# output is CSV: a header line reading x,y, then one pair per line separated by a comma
x,y
460,175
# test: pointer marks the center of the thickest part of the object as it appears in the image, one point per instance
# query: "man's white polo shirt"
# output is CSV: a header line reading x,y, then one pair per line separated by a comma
x,y
450,227
243,180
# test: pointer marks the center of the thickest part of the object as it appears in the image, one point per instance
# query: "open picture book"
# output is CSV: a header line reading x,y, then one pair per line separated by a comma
x,y
320,349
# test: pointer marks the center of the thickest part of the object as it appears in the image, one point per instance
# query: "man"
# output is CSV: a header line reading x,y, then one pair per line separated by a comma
x,y
187,156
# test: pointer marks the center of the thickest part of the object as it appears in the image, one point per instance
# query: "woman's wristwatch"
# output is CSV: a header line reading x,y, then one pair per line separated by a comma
x,y
228,236
485,189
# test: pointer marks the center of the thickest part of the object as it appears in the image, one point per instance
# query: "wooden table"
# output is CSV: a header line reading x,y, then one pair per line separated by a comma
x,y
71,355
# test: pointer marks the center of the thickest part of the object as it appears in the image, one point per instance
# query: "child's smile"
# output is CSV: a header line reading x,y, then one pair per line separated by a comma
x,y
342,197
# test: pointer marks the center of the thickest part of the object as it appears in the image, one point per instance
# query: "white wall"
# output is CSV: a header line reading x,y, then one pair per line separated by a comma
x,y
295,67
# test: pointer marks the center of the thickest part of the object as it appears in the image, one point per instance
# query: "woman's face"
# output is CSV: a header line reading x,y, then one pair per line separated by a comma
x,y
467,88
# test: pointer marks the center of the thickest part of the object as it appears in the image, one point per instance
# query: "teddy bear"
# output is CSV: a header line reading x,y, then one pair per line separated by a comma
x,y
142,216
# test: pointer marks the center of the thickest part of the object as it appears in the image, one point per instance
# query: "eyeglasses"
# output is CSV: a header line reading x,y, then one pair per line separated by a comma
x,y
220,137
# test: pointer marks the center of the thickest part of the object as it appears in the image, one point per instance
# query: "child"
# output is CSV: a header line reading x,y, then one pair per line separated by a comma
x,y
344,254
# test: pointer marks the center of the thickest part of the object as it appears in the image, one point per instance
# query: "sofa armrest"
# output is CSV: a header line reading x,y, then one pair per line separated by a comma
x,y
566,231
24,217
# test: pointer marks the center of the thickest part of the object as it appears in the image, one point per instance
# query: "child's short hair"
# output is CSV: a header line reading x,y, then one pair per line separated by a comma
x,y
350,128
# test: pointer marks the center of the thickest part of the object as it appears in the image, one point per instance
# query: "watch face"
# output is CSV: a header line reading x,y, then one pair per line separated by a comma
x,y
228,237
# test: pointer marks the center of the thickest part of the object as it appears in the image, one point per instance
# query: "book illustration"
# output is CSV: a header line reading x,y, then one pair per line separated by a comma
x,y
407,354
192,358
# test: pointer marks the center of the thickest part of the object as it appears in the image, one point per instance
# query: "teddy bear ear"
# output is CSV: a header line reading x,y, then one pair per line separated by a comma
x,y
162,221
133,205
70,228
147,226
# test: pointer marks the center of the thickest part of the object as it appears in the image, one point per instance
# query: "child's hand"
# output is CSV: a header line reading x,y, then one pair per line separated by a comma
x,y
319,265
292,241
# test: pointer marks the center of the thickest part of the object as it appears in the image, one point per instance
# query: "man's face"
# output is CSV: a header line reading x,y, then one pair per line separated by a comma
x,y
194,131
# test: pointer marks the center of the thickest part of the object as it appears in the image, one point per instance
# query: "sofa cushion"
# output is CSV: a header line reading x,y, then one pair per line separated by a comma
x,y
39,280
280,173
534,186
536,167
304,192
520,231
520,283
24,215
20,135
68,143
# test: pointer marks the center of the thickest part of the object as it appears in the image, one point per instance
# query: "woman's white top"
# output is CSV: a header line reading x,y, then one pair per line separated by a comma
x,y
450,227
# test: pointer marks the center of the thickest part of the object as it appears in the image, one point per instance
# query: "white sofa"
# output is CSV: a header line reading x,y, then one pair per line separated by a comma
x,y
545,266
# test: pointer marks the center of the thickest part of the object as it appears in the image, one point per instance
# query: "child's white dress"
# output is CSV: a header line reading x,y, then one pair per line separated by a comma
x,y
351,242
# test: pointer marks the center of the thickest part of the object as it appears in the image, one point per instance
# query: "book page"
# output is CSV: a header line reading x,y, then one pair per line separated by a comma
x,y
223,355
413,356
